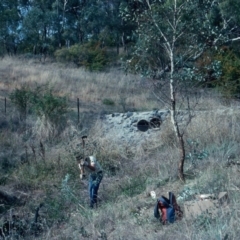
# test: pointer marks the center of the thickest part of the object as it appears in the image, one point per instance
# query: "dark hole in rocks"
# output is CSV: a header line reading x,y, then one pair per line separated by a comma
x,y
155,122
143,125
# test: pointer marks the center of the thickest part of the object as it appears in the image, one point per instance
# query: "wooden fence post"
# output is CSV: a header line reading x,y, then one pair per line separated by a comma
x,y
42,151
5,105
78,109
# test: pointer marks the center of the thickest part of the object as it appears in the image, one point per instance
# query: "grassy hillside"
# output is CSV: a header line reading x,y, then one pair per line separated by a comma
x,y
37,158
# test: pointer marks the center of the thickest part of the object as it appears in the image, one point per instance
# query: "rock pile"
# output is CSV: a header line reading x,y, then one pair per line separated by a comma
x,y
133,127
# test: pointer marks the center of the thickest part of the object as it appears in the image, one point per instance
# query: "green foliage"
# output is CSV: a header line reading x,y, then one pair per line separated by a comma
x,y
56,206
89,55
66,190
230,8
63,201
6,164
213,180
221,69
108,102
50,106
203,222
196,154
40,101
106,37
68,54
134,186
203,68
229,82
21,98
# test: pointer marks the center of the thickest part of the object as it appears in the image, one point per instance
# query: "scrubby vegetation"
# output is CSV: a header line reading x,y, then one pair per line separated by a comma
x,y
39,167
89,55
40,101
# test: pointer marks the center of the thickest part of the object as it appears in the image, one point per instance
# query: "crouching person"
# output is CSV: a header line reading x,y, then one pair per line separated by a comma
x,y
92,166
167,210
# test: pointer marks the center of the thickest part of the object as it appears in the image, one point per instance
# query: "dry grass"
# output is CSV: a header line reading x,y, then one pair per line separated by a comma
x,y
126,210
217,130
90,88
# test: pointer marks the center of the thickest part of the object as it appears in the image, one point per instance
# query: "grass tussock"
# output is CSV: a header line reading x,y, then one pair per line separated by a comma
x,y
38,162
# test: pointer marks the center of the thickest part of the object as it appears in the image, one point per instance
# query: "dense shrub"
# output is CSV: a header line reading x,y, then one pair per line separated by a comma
x,y
108,102
21,98
221,70
89,55
229,82
40,101
50,106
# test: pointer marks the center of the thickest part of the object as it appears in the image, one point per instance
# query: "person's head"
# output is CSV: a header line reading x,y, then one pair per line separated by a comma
x,y
87,159
78,158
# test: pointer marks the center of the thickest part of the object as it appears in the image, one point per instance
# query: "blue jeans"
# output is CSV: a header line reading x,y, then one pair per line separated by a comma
x,y
94,183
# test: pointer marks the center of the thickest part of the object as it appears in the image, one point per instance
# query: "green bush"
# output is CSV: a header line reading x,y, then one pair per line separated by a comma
x,y
221,69
50,106
40,101
108,102
89,55
229,82
21,98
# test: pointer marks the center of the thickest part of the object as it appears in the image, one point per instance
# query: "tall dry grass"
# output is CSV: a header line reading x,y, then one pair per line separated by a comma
x,y
90,88
126,209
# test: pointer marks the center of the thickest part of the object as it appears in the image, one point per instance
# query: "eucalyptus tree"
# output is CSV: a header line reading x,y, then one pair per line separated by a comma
x,y
172,34
230,10
93,20
52,22
66,16
82,20
100,20
38,23
10,21
38,26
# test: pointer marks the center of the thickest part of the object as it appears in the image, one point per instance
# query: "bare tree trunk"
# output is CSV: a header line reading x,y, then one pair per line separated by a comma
x,y
179,136
182,158
123,42
180,140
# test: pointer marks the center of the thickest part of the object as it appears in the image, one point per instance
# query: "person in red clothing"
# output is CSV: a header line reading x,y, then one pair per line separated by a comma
x,y
169,209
